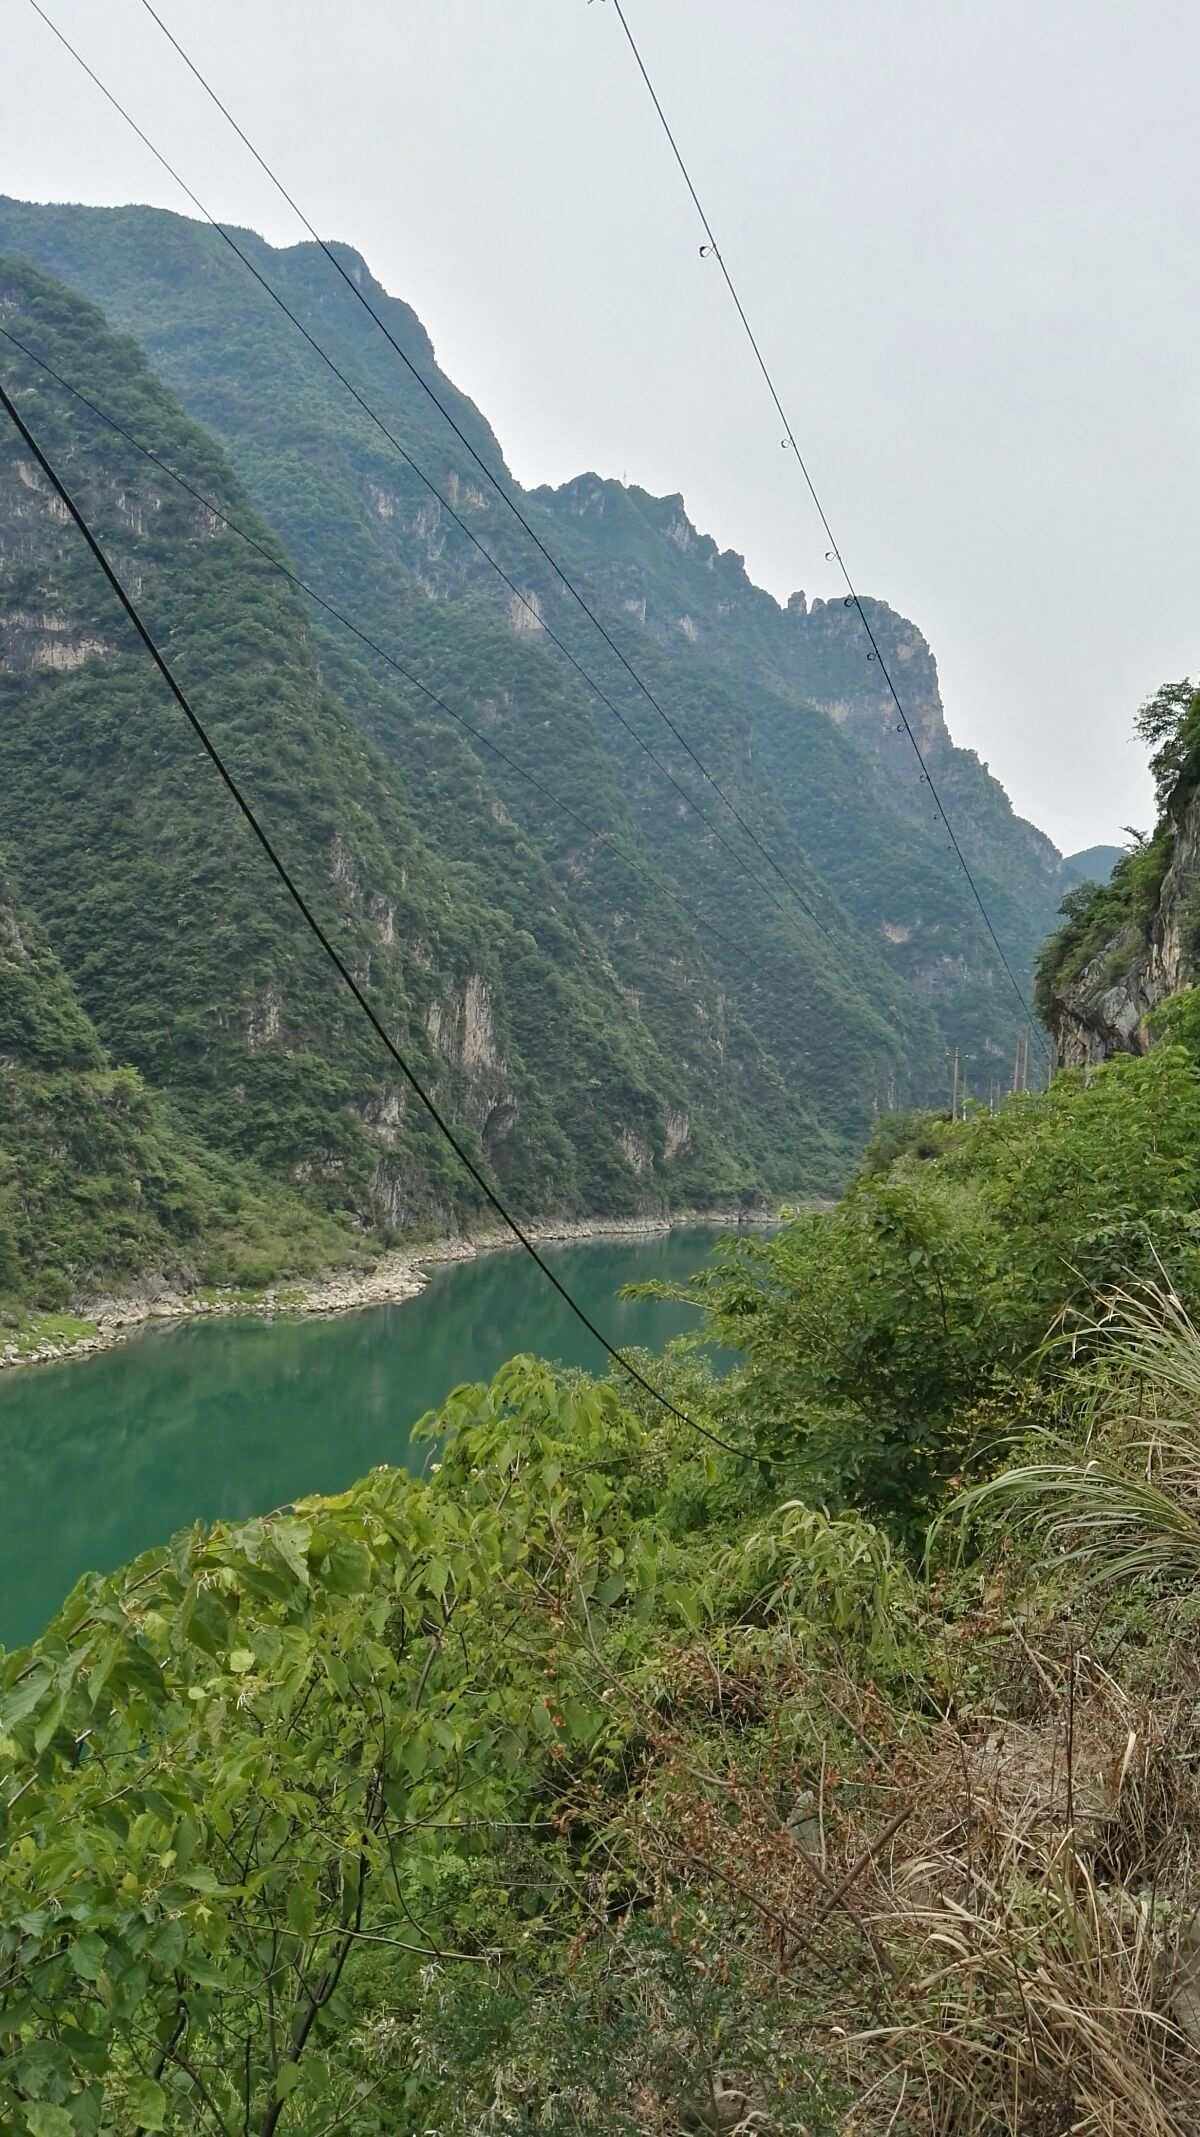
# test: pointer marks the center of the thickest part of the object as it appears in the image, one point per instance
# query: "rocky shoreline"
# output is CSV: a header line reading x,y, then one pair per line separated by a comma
x,y
395,1277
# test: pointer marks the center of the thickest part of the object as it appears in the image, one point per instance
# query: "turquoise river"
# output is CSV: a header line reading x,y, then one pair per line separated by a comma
x,y
104,1456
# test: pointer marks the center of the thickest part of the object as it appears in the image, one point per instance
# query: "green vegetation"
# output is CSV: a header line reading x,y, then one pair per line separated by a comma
x,y
100,1182
584,1087
1114,917
602,1781
185,953
878,1336
777,1039
1094,865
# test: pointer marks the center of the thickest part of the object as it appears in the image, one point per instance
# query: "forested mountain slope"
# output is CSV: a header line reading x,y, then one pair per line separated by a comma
x,y
100,1182
601,1046
1123,966
1094,865
581,1083
781,702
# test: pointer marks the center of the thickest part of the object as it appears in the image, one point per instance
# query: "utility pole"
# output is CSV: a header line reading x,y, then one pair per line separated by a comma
x,y
954,1089
1020,1080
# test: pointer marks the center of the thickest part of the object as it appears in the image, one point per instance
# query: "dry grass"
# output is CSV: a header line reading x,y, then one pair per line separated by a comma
x,y
1045,1928
988,1926
977,1893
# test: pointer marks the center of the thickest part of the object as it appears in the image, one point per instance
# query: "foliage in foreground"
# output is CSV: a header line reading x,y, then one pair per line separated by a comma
x,y
600,1781
889,1341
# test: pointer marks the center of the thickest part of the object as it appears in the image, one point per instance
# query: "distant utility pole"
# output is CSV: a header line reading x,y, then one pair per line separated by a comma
x,y
1020,1078
954,1089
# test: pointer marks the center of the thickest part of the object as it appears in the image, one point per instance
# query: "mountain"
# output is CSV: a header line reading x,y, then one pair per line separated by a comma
x,y
1094,865
616,1017
98,1178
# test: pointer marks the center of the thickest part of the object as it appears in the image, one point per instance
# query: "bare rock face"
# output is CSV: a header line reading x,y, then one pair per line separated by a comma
x,y
1106,1009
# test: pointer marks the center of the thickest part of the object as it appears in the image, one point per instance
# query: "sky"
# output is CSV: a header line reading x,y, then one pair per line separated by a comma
x,y
967,236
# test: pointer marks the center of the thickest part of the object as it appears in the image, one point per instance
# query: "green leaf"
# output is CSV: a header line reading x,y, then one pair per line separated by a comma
x,y
346,1568
15,2015
241,1660
45,2121
21,1702
287,2079
51,1721
87,1956
301,1908
291,1539
87,2111
201,1881
167,1944
147,2103
44,2068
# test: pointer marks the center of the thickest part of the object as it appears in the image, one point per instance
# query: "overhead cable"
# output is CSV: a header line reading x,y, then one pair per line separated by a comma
x,y
657,883
501,490
834,554
531,606
332,953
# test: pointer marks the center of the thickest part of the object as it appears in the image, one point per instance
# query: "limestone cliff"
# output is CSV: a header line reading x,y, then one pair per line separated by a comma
x,y
1129,945
1105,1007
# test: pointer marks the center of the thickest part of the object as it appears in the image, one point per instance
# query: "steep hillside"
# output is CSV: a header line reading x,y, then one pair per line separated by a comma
x,y
1094,865
781,701
99,1182
845,1784
597,1057
1129,946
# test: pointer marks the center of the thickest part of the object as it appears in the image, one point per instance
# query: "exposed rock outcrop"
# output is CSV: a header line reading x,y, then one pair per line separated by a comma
x,y
1105,1008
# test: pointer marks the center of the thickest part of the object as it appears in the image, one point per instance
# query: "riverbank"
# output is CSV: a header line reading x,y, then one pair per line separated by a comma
x,y
398,1275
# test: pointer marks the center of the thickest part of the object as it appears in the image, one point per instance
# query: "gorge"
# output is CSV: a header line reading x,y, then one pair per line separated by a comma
x,y
615,1017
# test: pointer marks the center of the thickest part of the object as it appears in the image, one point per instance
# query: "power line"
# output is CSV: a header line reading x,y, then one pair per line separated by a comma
x,y
504,494
834,553
656,882
431,486
334,956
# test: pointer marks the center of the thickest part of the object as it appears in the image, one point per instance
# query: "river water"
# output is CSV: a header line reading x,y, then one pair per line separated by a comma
x,y
105,1456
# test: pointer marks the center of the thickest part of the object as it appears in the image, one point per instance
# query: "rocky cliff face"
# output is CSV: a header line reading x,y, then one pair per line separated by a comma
x,y
1148,957
573,989
546,996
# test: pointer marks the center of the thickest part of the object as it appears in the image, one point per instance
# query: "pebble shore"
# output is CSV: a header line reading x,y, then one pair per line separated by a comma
x,y
396,1276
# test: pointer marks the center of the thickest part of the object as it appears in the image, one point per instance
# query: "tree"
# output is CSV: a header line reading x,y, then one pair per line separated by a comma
x,y
1169,723
235,1767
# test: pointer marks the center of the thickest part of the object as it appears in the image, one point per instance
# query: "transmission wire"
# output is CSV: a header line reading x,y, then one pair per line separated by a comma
x,y
431,486
853,598
334,956
504,494
656,882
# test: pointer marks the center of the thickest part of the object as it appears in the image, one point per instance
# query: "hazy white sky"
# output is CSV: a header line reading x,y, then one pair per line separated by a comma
x,y
967,232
